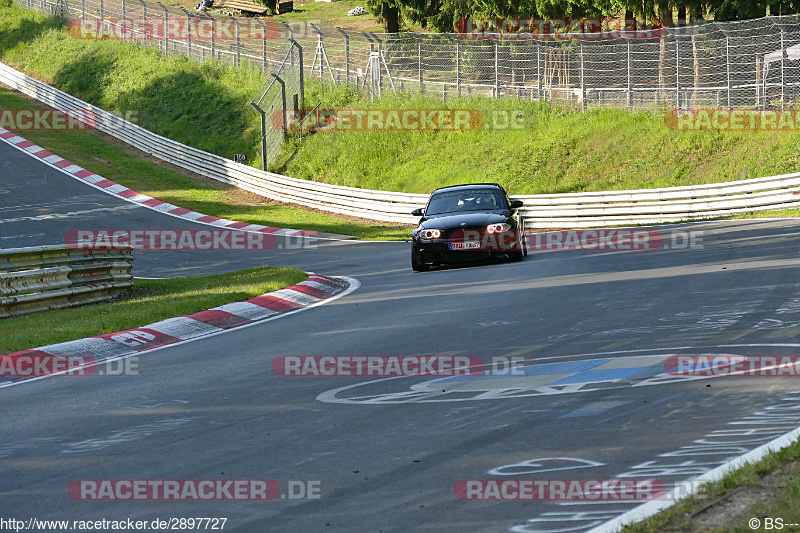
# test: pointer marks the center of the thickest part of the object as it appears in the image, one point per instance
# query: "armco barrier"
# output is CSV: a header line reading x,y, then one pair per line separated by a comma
x,y
646,206
52,277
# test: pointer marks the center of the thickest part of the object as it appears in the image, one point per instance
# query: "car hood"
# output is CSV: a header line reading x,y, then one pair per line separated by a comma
x,y
466,219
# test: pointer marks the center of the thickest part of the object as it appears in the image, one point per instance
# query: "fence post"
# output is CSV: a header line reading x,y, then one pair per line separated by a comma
x,y
420,70
320,48
302,76
124,11
630,85
497,68
166,28
144,18
583,83
83,8
539,73
458,63
102,12
728,67
213,37
263,134
677,73
189,28
375,74
783,57
263,45
346,53
291,39
383,59
238,42
458,67
285,110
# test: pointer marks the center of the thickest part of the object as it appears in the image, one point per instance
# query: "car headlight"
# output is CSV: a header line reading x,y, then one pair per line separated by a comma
x,y
498,228
430,234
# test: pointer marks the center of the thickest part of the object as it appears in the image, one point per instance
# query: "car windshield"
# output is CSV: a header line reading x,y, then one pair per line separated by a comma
x,y
465,200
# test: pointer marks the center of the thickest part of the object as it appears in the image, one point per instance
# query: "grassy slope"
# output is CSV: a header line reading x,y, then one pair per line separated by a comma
x,y
119,164
165,299
561,150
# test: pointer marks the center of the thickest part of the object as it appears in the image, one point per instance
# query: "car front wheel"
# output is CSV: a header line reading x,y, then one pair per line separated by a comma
x,y
416,263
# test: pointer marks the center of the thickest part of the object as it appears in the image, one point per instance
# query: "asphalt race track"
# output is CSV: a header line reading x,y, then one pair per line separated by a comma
x,y
387,453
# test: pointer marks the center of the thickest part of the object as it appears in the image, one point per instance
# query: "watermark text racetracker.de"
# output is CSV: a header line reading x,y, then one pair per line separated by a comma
x,y
184,240
625,490
35,363
611,239
48,119
194,489
733,365
776,120
176,29
386,120
385,366
589,29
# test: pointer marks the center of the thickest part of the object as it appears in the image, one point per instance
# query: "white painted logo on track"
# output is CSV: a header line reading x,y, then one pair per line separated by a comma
x,y
634,368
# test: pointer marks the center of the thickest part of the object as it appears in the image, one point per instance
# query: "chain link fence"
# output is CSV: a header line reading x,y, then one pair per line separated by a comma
x,y
752,64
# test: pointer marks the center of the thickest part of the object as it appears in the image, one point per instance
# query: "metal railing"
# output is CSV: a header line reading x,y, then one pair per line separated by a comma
x,y
54,277
541,211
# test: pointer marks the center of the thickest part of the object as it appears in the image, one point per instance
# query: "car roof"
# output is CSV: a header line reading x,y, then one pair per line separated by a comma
x,y
468,186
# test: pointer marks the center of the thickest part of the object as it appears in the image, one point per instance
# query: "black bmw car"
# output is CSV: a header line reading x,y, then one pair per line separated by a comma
x,y
466,223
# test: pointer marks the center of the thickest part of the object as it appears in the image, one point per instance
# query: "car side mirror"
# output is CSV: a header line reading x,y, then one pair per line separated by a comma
x,y
516,204
417,212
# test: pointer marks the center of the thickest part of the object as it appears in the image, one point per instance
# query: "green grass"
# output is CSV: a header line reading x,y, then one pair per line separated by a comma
x,y
560,150
118,163
204,105
783,465
165,299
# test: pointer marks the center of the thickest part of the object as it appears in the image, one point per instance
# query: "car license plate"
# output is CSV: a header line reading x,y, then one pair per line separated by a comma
x,y
467,245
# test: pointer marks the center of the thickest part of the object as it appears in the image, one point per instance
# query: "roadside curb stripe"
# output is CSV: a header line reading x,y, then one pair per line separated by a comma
x,y
202,323
120,191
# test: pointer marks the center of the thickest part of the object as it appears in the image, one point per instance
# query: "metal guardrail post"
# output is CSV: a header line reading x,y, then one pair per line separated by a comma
x,y
346,53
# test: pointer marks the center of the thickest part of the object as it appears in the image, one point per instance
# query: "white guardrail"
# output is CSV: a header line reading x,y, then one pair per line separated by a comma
x,y
53,277
645,206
